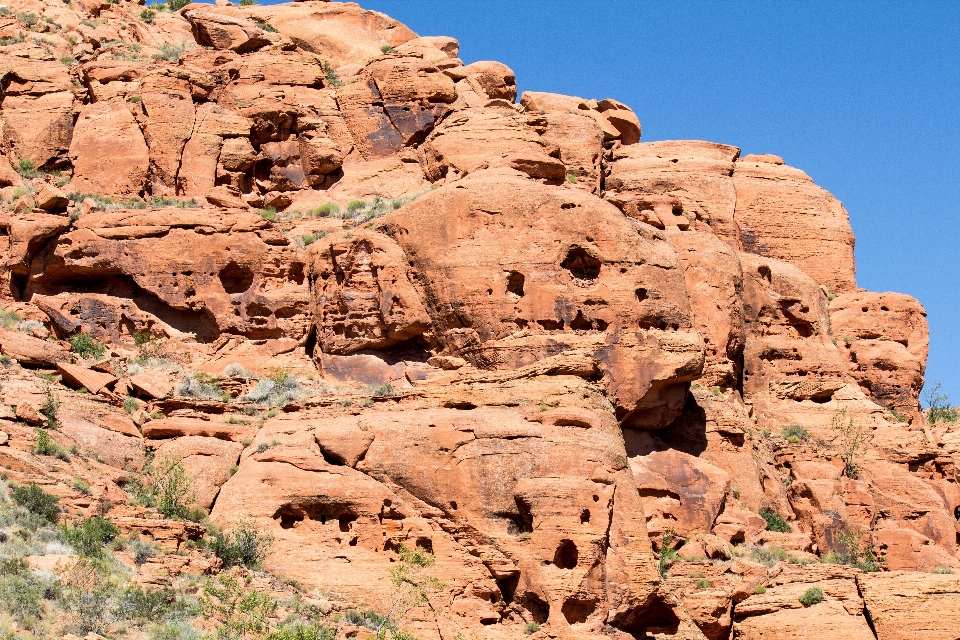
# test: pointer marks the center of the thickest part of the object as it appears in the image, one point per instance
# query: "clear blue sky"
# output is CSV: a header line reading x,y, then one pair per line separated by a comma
x,y
863,96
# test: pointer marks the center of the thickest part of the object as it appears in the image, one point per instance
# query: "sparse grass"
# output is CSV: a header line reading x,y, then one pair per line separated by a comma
x,y
172,52
68,60
382,391
571,178
277,390
812,596
775,521
81,486
942,569
236,370
269,214
130,405
387,49
769,556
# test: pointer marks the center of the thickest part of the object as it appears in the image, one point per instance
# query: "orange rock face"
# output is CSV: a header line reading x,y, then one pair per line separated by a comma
x,y
368,299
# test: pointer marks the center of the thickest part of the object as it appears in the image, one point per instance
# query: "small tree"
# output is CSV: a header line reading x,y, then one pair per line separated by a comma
x,y
51,407
940,409
246,546
413,587
856,555
668,555
853,442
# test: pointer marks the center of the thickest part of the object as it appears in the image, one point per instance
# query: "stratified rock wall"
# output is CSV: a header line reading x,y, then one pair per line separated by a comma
x,y
507,332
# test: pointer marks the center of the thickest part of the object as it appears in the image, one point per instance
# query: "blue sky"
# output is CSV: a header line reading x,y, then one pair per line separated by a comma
x,y
864,97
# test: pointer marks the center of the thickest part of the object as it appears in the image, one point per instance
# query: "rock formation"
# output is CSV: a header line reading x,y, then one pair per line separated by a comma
x,y
371,298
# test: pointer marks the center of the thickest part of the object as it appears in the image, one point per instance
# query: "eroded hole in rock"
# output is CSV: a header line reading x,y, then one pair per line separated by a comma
x,y
346,521
288,516
581,264
576,611
551,325
515,281
236,278
425,543
585,516
765,272
566,555
538,608
580,323
641,294
508,587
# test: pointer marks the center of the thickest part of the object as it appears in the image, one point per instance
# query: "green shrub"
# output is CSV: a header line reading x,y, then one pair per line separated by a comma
x,y
382,391
266,26
794,433
240,612
47,446
812,596
177,630
943,569
86,346
769,556
244,546
130,405
855,555
202,386
940,409
176,5
142,551
21,595
68,60
90,536
355,205
760,590
852,441
531,628
303,631
333,80
326,210
82,486
269,214
571,178
247,3
387,49
164,485
775,521
37,501
150,605
667,555
147,15
27,169
50,407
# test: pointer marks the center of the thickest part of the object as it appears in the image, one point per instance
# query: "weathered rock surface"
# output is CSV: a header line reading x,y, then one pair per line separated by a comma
x,y
368,299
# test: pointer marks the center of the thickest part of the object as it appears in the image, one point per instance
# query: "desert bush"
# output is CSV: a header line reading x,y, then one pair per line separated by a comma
x,y
147,15
277,390
333,80
142,551
47,446
769,556
50,407
27,326
303,631
775,521
201,386
239,612
852,441
172,52
90,536
21,597
37,501
26,168
130,405
86,346
236,370
812,596
794,433
164,485
856,555
9,319
150,605
246,546
176,630
381,391
531,628
176,5
667,554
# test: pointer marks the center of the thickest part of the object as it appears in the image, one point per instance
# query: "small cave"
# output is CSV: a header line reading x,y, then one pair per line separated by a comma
x,y
566,555
641,294
288,516
538,608
236,278
581,264
577,611
346,521
515,282
580,323
585,516
424,543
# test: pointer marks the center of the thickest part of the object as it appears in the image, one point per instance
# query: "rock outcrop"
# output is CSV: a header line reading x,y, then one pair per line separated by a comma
x,y
367,299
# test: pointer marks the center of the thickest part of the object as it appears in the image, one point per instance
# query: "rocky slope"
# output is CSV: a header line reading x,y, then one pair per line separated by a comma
x,y
370,297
